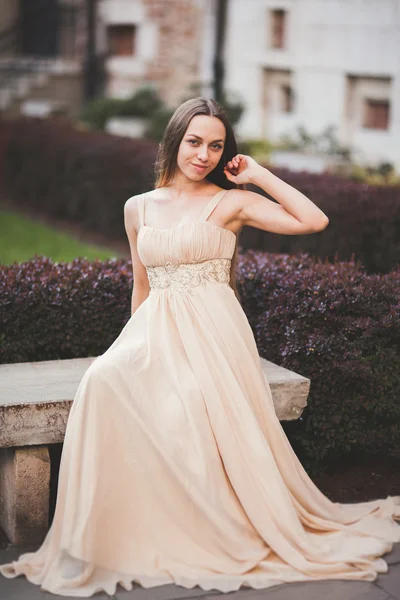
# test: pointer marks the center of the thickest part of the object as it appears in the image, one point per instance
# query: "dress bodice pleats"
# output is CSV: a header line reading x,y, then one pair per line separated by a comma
x,y
189,242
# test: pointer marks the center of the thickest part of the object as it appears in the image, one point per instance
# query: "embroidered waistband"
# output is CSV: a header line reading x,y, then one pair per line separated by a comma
x,y
184,277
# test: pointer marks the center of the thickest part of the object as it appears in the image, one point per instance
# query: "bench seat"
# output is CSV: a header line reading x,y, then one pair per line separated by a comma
x,y
35,400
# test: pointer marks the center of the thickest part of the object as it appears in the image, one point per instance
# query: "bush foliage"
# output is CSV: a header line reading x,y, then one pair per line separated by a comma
x,y
78,176
87,177
340,327
52,310
144,103
332,323
364,222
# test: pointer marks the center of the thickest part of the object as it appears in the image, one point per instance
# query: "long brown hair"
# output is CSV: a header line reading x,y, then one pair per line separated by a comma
x,y
166,161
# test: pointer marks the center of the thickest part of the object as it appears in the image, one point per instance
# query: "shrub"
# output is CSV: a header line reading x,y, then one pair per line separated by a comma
x,y
5,136
83,177
157,124
143,103
87,176
97,112
51,310
383,174
364,222
260,149
332,323
340,327
325,142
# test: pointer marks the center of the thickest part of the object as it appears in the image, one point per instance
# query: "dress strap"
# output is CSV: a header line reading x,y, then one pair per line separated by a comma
x,y
140,205
212,204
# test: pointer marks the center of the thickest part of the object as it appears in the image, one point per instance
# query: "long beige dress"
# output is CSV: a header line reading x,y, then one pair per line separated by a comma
x,y
175,468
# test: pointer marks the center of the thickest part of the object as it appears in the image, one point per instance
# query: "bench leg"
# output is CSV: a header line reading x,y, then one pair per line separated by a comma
x,y
24,494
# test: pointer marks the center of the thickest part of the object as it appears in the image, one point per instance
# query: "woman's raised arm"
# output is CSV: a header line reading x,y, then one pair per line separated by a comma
x,y
294,215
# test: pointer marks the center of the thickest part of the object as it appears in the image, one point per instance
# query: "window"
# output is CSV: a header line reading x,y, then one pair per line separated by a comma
x,y
376,114
121,39
278,99
287,98
278,22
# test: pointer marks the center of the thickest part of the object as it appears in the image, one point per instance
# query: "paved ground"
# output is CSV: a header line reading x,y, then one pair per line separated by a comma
x,y
385,587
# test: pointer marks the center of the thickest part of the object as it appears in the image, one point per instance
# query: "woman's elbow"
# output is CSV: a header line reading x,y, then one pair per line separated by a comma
x,y
321,224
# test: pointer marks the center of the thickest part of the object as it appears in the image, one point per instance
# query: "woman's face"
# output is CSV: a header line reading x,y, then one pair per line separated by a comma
x,y
201,147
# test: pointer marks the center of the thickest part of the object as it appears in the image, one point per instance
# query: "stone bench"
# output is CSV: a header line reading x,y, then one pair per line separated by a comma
x,y
35,400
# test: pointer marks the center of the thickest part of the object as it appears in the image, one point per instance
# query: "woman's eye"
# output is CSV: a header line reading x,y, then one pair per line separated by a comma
x,y
215,146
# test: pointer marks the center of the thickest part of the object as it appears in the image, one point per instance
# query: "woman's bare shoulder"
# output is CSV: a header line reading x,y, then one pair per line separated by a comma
x,y
132,202
131,212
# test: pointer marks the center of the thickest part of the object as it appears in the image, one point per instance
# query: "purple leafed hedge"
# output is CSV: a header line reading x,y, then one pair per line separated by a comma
x,y
61,310
86,177
337,323
364,222
339,327
332,323
75,175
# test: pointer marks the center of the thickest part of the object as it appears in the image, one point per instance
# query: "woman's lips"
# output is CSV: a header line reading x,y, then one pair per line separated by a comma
x,y
198,168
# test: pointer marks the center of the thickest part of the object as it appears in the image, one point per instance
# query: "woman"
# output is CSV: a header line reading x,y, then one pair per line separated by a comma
x,y
175,468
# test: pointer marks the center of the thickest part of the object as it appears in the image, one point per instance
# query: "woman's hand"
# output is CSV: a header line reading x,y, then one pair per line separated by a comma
x,y
241,169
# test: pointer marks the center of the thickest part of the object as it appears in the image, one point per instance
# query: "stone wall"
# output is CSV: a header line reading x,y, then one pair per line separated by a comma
x,y
176,64
167,50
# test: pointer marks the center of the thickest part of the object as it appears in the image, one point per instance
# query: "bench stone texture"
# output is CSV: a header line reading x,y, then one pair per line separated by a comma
x,y
24,493
35,400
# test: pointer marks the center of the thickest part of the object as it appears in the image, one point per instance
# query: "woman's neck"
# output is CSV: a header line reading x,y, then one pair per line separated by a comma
x,y
184,187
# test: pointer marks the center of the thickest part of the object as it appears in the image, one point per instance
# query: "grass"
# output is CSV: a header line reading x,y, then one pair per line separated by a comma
x,y
21,238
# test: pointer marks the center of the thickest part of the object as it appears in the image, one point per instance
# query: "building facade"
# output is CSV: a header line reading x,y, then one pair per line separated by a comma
x,y
155,42
42,54
319,64
315,64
